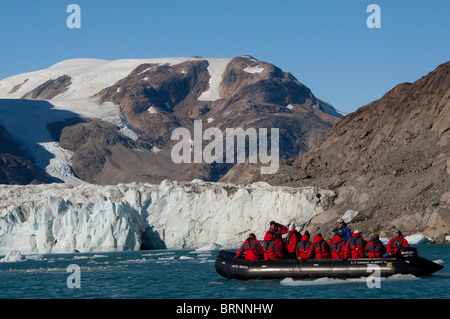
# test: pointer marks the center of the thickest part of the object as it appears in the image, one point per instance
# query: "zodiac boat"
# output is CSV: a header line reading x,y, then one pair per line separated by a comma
x,y
406,261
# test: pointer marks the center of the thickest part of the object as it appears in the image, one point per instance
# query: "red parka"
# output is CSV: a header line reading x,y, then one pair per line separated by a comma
x,y
375,248
319,249
277,233
251,249
292,239
272,249
355,247
337,248
395,243
303,247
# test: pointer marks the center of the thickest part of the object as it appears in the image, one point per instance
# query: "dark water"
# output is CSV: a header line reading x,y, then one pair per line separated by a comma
x,y
187,274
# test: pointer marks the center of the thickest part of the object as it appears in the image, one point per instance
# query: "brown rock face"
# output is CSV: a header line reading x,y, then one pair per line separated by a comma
x,y
388,160
16,166
49,89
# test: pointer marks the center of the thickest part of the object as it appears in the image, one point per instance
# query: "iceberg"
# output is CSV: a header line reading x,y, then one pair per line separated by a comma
x,y
59,218
417,239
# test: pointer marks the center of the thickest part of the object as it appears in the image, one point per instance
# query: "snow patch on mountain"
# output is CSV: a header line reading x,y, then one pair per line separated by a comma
x,y
55,218
325,107
88,76
216,68
253,69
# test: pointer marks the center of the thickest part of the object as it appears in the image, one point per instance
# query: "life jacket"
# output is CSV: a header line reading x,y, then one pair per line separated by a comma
x,y
271,250
319,249
375,248
355,247
251,249
395,243
337,248
303,247
291,240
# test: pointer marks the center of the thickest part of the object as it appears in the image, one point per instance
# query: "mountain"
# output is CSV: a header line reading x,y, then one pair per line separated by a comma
x,y
389,162
109,122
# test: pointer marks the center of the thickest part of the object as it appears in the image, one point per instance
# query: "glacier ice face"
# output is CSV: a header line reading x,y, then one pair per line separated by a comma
x,y
56,218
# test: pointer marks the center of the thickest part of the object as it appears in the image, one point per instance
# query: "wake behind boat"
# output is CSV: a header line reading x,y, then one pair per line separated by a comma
x,y
405,262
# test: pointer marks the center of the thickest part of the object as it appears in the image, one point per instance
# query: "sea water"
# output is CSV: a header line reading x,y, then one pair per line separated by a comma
x,y
190,274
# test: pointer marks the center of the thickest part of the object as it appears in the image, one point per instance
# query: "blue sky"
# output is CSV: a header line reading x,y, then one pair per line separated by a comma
x,y
325,44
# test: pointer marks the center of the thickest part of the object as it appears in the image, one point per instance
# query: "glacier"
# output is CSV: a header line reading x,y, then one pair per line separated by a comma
x,y
60,218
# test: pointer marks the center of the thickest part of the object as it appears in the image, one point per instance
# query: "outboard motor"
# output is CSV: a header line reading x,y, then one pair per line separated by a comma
x,y
406,253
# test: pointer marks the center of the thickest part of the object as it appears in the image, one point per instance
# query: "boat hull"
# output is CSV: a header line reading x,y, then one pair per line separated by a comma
x,y
229,267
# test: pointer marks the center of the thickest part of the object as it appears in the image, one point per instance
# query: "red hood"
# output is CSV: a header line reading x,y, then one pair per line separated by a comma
x,y
318,239
337,239
305,238
356,235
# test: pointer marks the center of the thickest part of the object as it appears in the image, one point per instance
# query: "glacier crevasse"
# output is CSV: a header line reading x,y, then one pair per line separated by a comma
x,y
58,218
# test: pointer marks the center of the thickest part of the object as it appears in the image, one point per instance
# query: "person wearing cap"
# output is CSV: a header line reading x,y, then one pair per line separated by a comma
x,y
375,248
396,242
342,230
274,235
355,246
251,249
276,229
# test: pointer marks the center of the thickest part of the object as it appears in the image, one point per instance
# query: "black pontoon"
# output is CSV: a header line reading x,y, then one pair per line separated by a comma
x,y
406,262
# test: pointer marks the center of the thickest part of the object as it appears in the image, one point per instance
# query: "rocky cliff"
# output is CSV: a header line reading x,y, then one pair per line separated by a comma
x,y
389,162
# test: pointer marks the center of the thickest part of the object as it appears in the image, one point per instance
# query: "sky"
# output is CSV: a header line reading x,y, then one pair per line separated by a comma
x,y
326,44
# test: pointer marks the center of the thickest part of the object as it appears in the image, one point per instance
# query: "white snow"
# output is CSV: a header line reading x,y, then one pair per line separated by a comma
x,y
155,149
88,76
152,110
253,69
216,68
330,110
56,218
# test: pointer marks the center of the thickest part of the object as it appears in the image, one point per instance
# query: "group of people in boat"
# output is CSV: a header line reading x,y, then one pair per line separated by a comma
x,y
343,244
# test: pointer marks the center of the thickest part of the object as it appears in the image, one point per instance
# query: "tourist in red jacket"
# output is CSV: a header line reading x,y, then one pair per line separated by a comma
x,y
277,229
337,248
396,242
251,249
303,246
319,249
375,248
271,247
291,241
355,246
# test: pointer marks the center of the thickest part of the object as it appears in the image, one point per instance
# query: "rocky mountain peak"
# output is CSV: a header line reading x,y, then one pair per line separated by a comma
x,y
140,102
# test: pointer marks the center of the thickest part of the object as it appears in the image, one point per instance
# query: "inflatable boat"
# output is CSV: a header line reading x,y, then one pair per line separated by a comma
x,y
406,261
